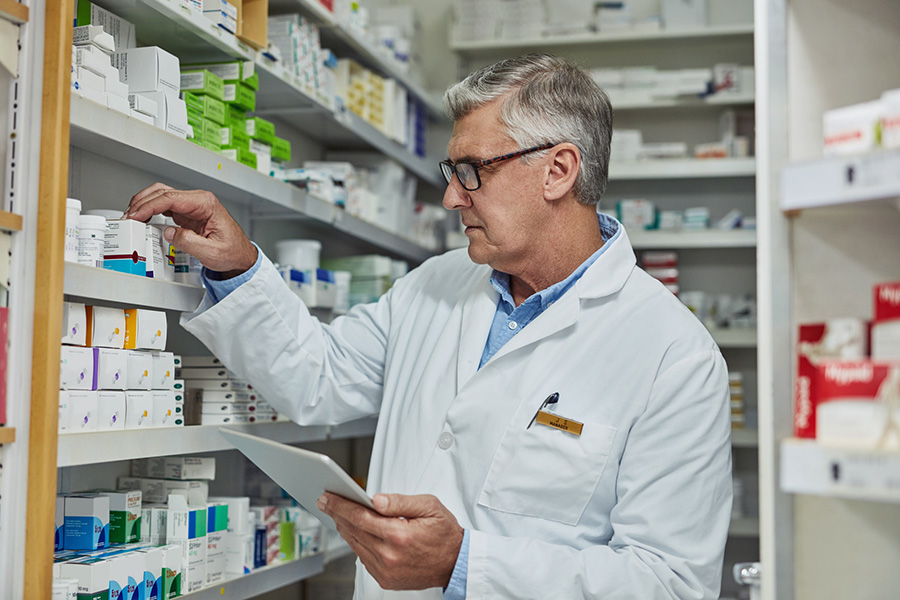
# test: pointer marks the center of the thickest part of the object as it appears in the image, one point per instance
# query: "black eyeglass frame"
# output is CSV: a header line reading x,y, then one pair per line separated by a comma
x,y
449,168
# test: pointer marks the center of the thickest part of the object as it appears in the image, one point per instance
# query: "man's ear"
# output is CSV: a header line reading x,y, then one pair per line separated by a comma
x,y
562,170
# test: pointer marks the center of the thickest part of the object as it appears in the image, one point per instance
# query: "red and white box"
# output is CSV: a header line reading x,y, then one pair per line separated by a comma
x,y
886,322
835,339
858,404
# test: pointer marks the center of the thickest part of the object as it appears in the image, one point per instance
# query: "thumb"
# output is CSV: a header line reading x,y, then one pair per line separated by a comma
x,y
188,241
400,505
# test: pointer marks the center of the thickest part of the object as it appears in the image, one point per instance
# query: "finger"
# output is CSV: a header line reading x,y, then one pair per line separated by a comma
x,y
370,560
189,241
137,204
147,191
401,505
355,514
194,204
361,536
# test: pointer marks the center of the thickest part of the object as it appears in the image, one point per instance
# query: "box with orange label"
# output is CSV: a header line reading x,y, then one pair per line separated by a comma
x,y
138,409
163,370
140,370
145,329
105,327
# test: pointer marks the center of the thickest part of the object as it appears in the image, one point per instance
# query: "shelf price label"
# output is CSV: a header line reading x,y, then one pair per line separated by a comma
x,y
875,472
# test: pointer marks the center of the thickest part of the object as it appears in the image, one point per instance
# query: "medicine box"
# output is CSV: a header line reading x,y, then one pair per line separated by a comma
x,y
106,327
852,129
235,135
186,527
241,155
159,490
112,368
86,522
238,512
202,82
74,321
226,419
60,529
93,35
118,103
153,575
239,397
227,408
92,575
225,385
240,96
87,13
890,119
140,370
83,411
163,370
216,529
94,61
143,104
124,516
88,79
125,247
261,129
153,522
886,324
111,407
65,413
142,118
163,408
200,361
206,373
171,113
281,150
126,575
207,107
148,69
239,552
138,410
77,370
175,467
173,571
835,339
145,329
229,72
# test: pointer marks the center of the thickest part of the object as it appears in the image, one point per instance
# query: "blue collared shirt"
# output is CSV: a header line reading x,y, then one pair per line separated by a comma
x,y
509,320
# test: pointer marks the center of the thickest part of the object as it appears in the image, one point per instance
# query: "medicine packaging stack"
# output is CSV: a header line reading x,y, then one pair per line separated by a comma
x,y
371,275
736,391
298,43
844,394
222,13
379,101
662,266
218,397
862,128
114,371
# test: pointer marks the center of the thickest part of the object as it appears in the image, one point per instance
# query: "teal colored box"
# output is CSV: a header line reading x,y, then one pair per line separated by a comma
x,y
86,522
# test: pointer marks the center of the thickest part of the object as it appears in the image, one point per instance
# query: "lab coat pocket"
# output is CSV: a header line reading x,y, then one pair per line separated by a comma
x,y
547,473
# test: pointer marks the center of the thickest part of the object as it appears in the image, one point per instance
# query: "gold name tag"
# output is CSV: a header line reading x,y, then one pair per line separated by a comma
x,y
551,420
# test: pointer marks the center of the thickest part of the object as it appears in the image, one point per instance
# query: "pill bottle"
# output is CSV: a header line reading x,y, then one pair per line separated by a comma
x,y
73,211
91,231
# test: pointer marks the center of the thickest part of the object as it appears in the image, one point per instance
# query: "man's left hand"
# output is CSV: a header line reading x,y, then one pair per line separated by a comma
x,y
410,543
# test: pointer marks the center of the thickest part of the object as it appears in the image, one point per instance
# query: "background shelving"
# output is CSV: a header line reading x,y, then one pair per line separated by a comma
x,y
683,240
841,180
682,168
94,284
261,581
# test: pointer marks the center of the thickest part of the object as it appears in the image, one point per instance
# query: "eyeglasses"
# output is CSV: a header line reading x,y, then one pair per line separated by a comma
x,y
467,172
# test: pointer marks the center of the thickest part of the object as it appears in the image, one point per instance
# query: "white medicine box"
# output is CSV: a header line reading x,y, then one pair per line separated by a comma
x,y
149,69
138,409
145,329
112,368
684,14
83,411
140,370
163,408
171,113
77,368
110,410
74,324
125,246
106,327
163,370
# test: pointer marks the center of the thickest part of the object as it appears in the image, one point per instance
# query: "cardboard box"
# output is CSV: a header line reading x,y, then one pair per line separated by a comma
x,y
852,129
281,150
93,35
143,118
92,575
857,404
227,408
126,575
239,552
95,62
77,370
65,413
173,571
886,322
834,339
230,72
245,157
122,31
163,370
83,411
125,247
143,104
216,529
88,79
138,410
203,82
240,96
86,522
260,129
118,104
171,113
124,516
200,361
112,366
159,490
226,419
106,327
60,529
140,370
153,522
145,329
235,135
148,69
186,527
238,513
227,385
175,467
163,408
74,324
153,573
240,397
111,410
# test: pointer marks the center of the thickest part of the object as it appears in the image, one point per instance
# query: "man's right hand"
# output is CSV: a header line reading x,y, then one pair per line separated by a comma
x,y
205,229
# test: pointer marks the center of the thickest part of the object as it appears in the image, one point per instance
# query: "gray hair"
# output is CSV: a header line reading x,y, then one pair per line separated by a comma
x,y
546,99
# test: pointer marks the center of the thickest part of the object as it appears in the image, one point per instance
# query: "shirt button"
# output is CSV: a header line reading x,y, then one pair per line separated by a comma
x,y
445,441
513,325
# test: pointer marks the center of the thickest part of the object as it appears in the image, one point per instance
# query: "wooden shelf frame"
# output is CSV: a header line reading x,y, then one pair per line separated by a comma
x,y
7,435
10,221
14,12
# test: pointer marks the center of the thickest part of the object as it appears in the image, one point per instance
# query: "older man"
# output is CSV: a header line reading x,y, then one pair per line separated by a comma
x,y
552,422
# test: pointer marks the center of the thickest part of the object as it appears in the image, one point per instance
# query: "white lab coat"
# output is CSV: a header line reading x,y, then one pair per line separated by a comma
x,y
636,507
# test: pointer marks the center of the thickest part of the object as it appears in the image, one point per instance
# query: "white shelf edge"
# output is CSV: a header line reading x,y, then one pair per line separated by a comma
x,y
743,527
682,168
310,8
745,438
717,100
474,46
841,180
93,283
262,580
808,467
88,448
734,338
708,238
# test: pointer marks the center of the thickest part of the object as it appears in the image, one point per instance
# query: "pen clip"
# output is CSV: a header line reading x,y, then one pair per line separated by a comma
x,y
551,399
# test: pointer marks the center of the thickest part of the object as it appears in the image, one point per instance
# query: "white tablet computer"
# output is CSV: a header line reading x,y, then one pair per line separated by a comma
x,y
303,474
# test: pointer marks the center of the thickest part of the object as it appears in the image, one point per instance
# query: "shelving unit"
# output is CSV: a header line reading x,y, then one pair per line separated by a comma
x,y
7,435
745,438
734,338
94,284
10,221
682,168
841,180
688,240
744,527
715,101
260,581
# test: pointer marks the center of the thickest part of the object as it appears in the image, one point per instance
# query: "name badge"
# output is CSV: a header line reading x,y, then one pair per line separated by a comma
x,y
557,422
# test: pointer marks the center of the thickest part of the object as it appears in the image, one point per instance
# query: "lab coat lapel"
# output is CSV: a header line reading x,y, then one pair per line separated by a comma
x,y
477,316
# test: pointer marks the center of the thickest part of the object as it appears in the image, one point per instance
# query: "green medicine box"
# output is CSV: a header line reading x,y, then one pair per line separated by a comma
x,y
234,113
205,106
203,83
262,130
235,135
240,96
245,157
251,82
281,150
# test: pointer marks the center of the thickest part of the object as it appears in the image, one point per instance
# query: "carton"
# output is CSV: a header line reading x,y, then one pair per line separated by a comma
x,y
125,246
238,512
86,522
60,529
173,571
175,467
148,69
145,329
886,322
112,367
111,407
202,82
95,36
65,412
153,573
159,490
138,409
186,527
124,516
163,408
83,411
122,31
92,574
126,576
77,370
216,530
837,338
239,552
171,113
140,370
74,322
143,104
105,327
852,129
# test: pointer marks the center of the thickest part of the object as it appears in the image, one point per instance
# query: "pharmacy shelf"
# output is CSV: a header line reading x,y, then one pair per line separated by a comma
x,y
261,581
103,446
476,47
94,284
335,546
684,240
808,467
744,438
734,338
7,435
312,9
677,168
746,527
110,134
841,180
714,101
10,221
